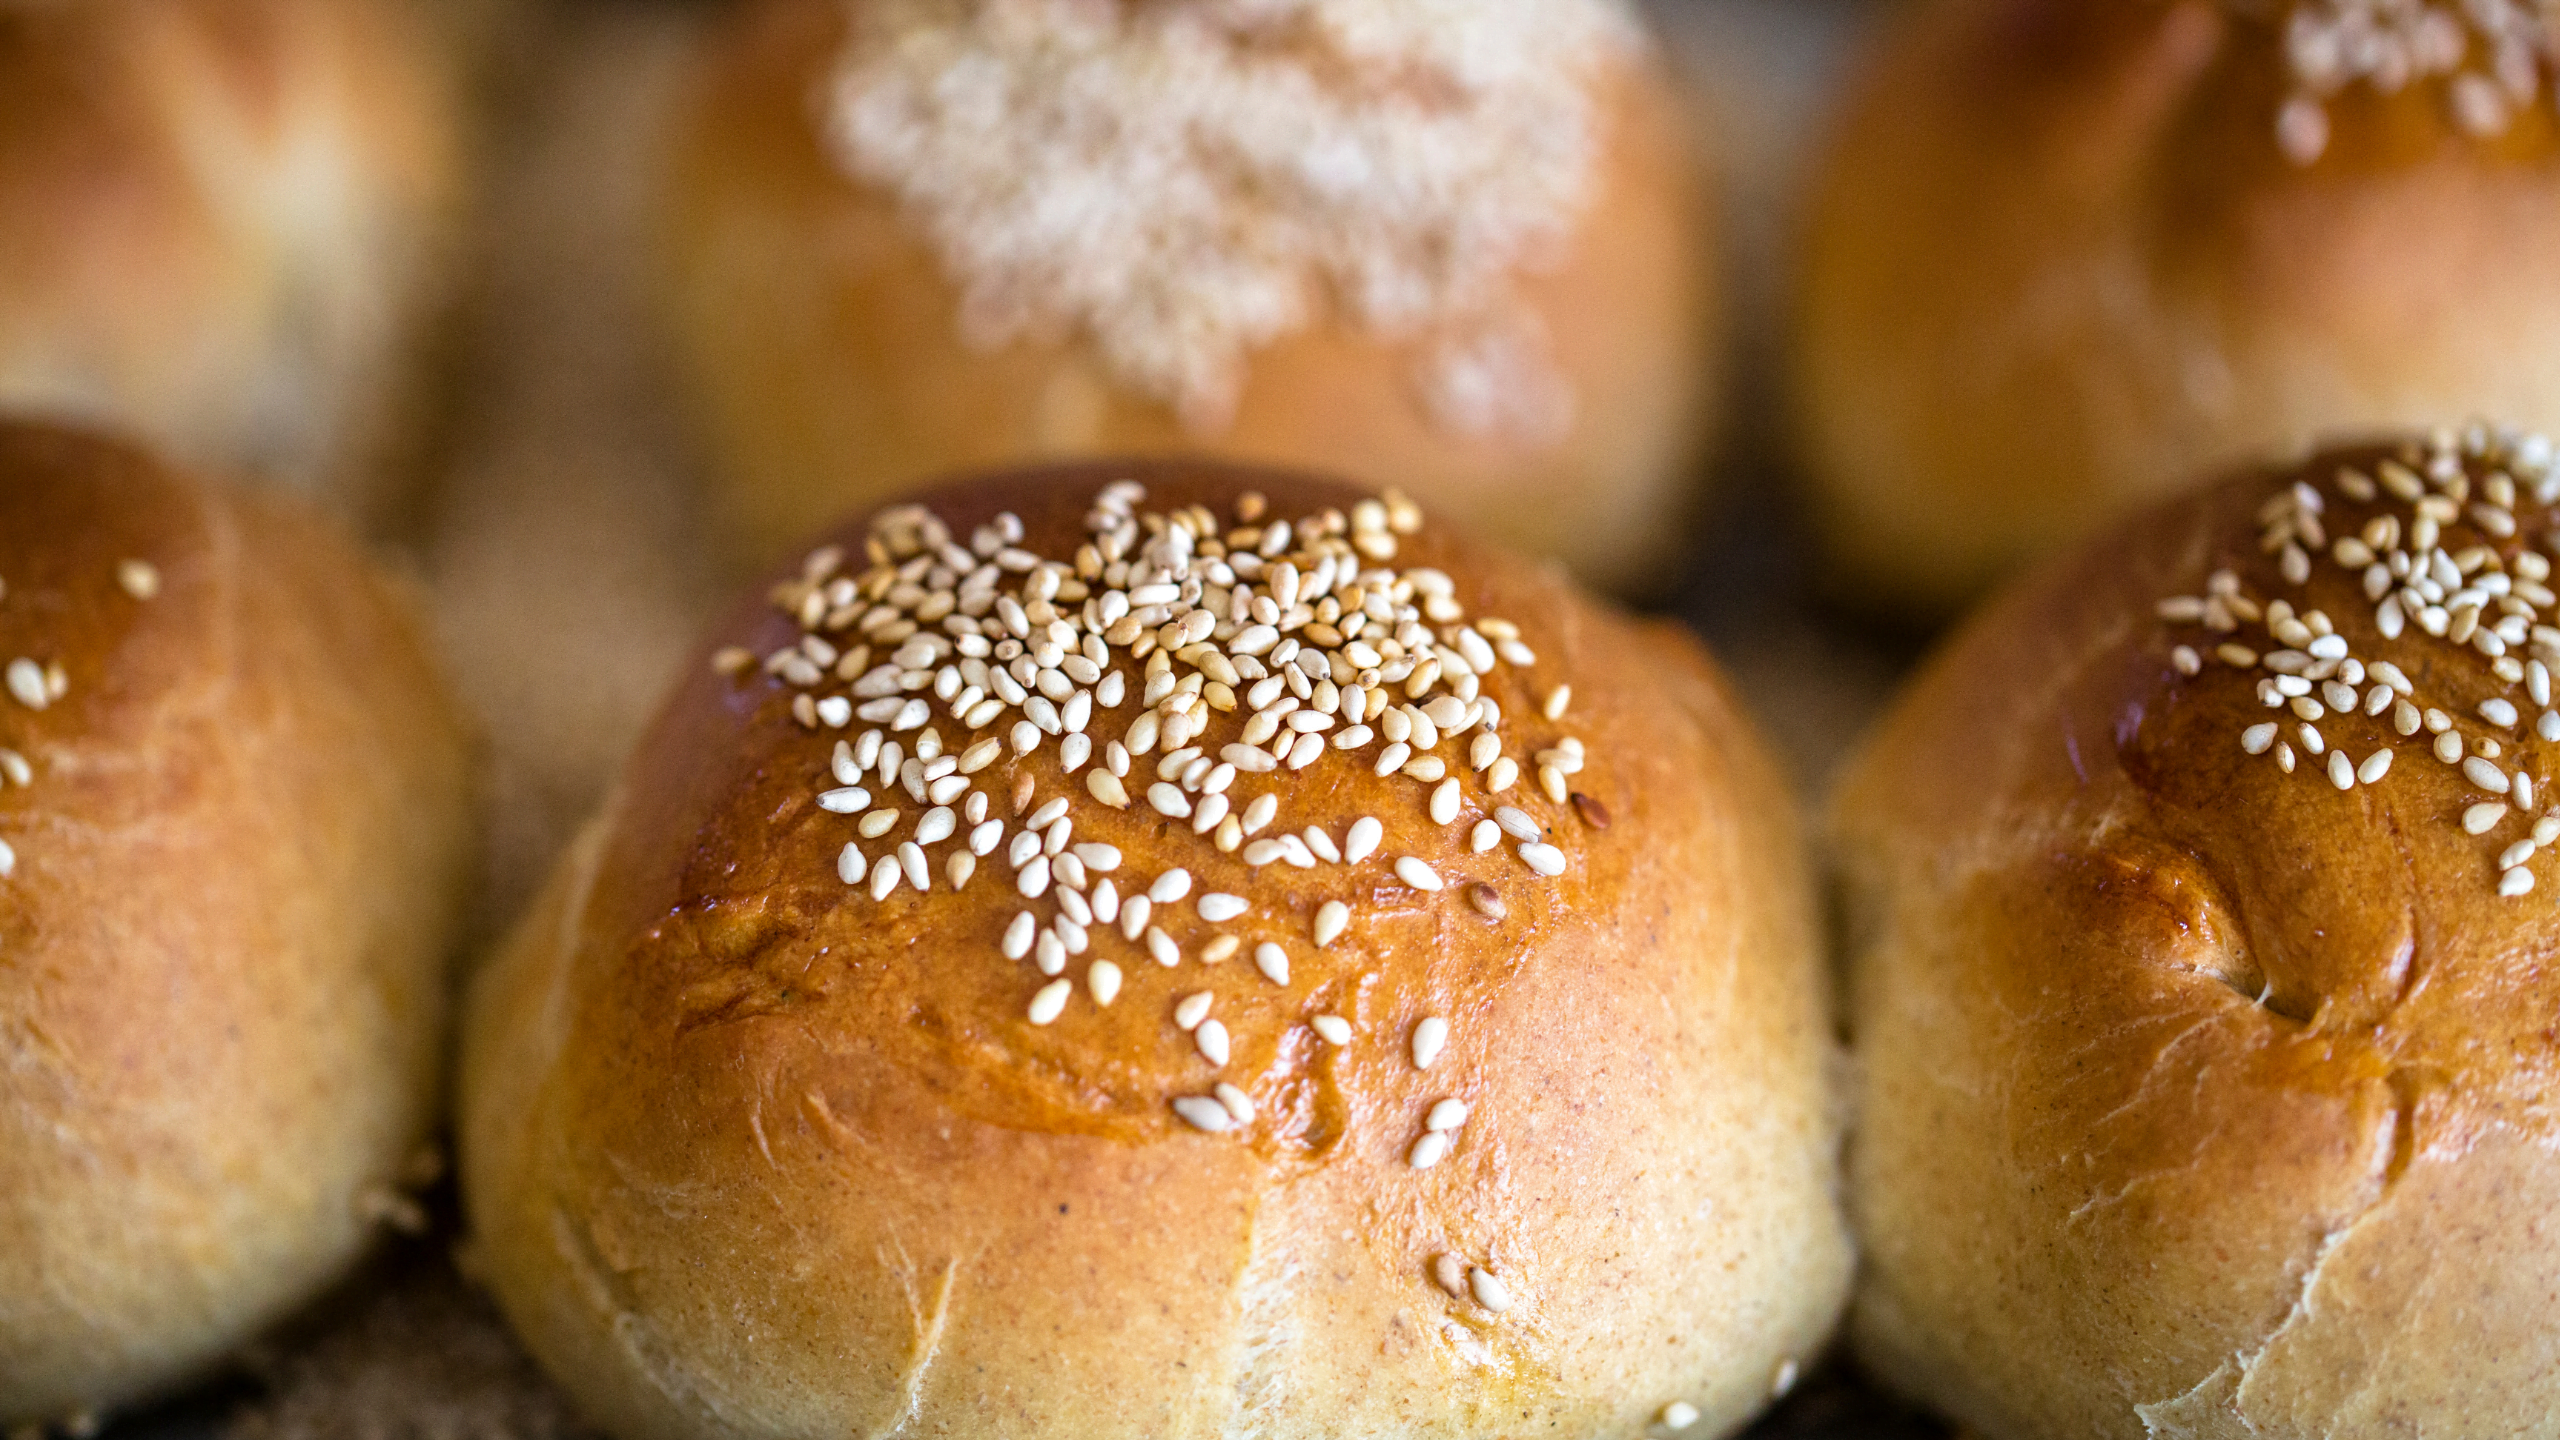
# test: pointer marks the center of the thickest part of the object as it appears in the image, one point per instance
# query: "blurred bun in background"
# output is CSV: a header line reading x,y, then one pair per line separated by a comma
x,y
2067,254
1457,247
234,828
223,223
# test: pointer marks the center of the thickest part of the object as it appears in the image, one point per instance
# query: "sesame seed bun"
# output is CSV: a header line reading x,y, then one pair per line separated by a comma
x,y
2064,256
759,1140
2205,1043
226,221
232,838
823,334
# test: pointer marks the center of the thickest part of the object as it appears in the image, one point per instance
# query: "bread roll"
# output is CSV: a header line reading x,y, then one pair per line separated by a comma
x,y
896,247
1321,1096
220,221
232,832
2066,255
2206,1044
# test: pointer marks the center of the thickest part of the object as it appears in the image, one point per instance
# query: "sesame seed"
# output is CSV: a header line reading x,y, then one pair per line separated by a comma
x,y
1204,1114
1484,837
2484,775
1219,948
1413,871
8,859
1017,936
1517,824
1272,961
2517,854
1161,947
27,684
1218,908
1171,886
2342,771
1102,979
1558,701
1486,900
140,578
1679,1415
14,766
1430,1037
1448,1114
1543,858
2498,712
1333,1029
1210,1037
1239,1105
1331,918
1489,1290
1428,1151
959,868
850,866
1051,1001
2448,747
1193,1008
1450,1274
2375,766
1361,841
2515,882
1444,803
2258,738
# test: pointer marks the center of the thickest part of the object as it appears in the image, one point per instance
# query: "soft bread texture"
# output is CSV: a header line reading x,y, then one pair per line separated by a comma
x,y
746,1152
824,341
222,223
2058,263
223,938
2197,1098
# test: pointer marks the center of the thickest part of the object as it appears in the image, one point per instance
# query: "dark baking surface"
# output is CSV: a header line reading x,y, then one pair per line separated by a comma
x,y
562,524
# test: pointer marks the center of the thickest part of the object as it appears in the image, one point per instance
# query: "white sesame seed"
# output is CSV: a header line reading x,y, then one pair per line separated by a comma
x,y
1543,858
1489,1290
1448,1114
1193,1008
1218,908
1170,886
2342,771
850,866
1204,1114
2515,882
1033,879
15,767
2498,712
1017,936
1413,871
1428,1151
2517,854
1679,1415
2448,748
2375,766
1333,1029
1049,952
1558,701
1106,787
2484,775
27,684
911,860
2523,792
959,868
8,860
140,578
1331,918
2257,739
2483,817
1160,946
885,876
1444,803
1430,1037
1362,840
1051,1001
1239,1105
1102,979
1272,961
1210,1037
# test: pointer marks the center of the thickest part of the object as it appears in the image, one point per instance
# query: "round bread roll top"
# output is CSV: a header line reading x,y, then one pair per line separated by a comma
x,y
2201,903
225,215
940,1029
1453,246
2065,256
232,836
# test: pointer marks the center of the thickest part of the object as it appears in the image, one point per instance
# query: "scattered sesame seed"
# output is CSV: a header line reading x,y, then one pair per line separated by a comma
x,y
1430,1037
2484,775
1414,871
1218,908
1362,840
140,578
1331,918
1489,1290
1219,948
1051,1001
1239,1105
1450,1274
1171,886
1428,1151
1211,1038
1448,1114
1679,1415
26,681
1332,1029
1204,1114
8,860
2515,882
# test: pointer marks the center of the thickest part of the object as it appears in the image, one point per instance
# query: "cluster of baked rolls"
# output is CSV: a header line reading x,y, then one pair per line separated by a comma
x,y
1196,927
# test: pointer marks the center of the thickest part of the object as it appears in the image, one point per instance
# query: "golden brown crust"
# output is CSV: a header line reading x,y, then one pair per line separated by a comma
x,y
2187,1077
234,872
2058,263
825,341
746,1150
228,217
